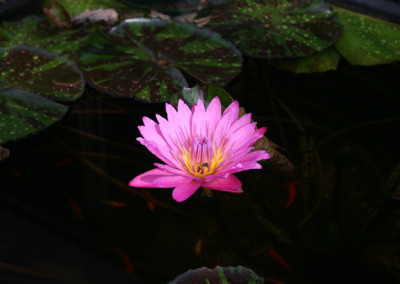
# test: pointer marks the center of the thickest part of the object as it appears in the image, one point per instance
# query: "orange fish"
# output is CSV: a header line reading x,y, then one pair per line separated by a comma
x,y
127,262
74,206
272,253
291,186
117,204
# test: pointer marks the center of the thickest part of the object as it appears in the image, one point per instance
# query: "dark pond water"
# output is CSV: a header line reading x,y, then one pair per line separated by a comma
x,y
59,224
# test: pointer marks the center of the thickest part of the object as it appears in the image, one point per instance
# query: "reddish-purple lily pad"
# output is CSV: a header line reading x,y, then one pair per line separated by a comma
x,y
277,29
146,59
30,79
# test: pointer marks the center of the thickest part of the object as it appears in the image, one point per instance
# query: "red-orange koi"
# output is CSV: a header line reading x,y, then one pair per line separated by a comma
x,y
127,262
64,163
16,172
74,206
291,186
273,281
118,204
198,246
272,253
150,204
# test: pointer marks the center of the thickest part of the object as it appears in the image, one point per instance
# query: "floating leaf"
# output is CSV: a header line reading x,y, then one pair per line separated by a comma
x,y
57,13
36,32
238,274
277,29
22,113
48,75
77,7
320,62
366,40
174,7
41,72
144,58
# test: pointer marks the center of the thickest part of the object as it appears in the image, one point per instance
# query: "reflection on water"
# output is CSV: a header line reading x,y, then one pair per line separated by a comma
x,y
71,179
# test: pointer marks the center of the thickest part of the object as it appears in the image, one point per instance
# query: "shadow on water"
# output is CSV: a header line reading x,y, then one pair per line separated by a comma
x,y
67,210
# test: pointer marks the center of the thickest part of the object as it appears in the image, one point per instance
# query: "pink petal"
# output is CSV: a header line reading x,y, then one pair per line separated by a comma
x,y
170,181
185,190
198,121
147,179
230,184
213,114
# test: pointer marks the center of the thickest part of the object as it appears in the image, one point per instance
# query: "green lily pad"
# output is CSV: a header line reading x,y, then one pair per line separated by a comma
x,y
366,40
144,58
41,72
30,79
22,113
326,60
277,29
34,31
74,7
174,7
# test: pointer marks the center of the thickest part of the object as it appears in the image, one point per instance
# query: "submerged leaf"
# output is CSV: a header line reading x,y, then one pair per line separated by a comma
x,y
277,29
367,40
143,58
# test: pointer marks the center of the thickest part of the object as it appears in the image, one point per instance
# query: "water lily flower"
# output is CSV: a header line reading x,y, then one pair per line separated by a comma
x,y
200,148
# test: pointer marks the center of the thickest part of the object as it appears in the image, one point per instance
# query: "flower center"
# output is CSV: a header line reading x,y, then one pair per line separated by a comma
x,y
200,158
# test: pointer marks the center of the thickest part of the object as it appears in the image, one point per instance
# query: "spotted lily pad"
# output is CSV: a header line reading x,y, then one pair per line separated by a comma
x,y
30,79
174,7
366,40
22,113
38,71
277,29
74,7
37,32
144,58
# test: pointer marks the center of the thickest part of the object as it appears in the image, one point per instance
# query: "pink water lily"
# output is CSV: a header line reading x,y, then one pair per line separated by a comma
x,y
200,148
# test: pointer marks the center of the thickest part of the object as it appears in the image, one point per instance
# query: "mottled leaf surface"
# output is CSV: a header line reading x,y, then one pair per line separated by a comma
x,y
173,7
277,29
22,113
144,58
238,274
37,32
76,7
366,40
41,72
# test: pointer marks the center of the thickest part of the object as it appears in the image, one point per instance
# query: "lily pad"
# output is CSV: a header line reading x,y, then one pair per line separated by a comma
x,y
34,31
277,29
147,59
22,113
30,79
367,41
75,8
38,71
326,60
